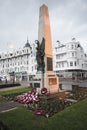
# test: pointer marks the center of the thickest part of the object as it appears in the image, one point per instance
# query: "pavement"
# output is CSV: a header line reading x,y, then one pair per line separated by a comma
x,y
8,106
11,105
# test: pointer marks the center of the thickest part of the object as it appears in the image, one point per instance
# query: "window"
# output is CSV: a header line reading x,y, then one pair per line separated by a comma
x,y
75,54
72,47
27,50
62,64
57,57
18,69
81,56
67,64
75,63
72,54
27,56
56,65
59,65
82,65
71,63
78,61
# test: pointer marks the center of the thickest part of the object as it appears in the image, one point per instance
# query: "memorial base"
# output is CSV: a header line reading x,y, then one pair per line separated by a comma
x,y
47,80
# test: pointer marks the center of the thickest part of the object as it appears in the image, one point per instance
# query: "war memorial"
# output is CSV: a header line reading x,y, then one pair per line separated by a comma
x,y
45,77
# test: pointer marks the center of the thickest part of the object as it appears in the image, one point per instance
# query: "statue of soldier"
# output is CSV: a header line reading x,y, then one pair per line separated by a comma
x,y
40,55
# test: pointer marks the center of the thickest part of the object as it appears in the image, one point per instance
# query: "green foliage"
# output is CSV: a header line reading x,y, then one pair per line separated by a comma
x,y
52,105
78,95
2,99
9,85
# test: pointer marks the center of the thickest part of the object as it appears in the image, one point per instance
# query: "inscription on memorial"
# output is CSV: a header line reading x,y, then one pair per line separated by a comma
x,y
49,64
52,81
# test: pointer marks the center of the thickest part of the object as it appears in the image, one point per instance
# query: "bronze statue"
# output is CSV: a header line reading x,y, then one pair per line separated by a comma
x,y
40,55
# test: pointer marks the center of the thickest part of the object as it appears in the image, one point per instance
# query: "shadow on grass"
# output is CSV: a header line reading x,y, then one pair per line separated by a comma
x,y
3,126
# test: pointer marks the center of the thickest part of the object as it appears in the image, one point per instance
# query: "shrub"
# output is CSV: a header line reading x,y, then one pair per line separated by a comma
x,y
9,85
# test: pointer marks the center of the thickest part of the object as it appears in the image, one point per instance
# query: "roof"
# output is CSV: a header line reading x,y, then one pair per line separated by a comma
x,y
27,44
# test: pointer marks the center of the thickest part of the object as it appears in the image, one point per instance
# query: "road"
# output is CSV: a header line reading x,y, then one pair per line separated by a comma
x,y
80,83
23,84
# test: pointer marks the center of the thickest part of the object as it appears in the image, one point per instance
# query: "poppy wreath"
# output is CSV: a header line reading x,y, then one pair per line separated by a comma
x,y
44,90
39,113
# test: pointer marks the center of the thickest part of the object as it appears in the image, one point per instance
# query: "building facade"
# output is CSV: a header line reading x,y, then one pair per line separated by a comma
x,y
70,60
20,64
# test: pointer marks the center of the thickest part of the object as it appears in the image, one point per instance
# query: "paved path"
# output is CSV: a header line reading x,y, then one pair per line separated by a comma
x,y
7,106
10,105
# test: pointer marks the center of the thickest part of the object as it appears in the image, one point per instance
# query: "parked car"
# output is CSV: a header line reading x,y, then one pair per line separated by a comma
x,y
3,78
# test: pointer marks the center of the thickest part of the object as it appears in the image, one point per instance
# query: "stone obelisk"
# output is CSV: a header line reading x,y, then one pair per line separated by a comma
x,y
44,30
51,81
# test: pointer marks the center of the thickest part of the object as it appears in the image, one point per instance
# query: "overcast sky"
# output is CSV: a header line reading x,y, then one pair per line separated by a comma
x,y
19,20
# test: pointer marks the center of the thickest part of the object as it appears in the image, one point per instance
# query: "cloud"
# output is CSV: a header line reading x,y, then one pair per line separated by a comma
x,y
19,19
70,20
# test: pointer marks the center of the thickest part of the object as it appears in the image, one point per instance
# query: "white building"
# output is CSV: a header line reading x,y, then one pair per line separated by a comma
x,y
19,63
70,61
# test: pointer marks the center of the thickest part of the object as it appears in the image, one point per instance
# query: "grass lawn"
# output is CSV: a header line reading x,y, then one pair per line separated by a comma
x,y
72,118
13,93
